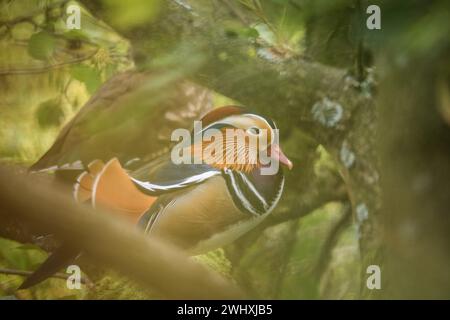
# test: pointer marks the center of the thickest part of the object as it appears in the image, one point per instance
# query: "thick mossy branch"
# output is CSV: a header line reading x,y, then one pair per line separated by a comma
x,y
110,285
217,261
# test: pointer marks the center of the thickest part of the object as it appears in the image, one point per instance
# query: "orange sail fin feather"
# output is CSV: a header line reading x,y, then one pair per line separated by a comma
x,y
109,187
114,191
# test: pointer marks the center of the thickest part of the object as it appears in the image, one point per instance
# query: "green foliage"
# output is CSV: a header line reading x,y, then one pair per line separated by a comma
x,y
283,262
131,13
279,24
110,285
87,75
41,45
28,257
217,261
50,114
56,68
15,255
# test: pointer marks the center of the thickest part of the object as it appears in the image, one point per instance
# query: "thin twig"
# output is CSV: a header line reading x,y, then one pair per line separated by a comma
x,y
235,11
46,68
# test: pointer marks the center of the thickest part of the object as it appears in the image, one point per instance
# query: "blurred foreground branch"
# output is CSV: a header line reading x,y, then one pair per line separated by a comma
x,y
109,241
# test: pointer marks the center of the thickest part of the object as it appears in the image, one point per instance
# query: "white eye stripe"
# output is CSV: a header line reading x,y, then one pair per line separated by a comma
x,y
254,130
258,117
270,131
228,120
235,120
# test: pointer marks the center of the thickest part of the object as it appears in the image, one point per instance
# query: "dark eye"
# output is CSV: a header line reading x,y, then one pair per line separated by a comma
x,y
253,130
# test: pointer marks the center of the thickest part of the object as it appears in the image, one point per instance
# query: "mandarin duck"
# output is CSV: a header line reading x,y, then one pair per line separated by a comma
x,y
199,205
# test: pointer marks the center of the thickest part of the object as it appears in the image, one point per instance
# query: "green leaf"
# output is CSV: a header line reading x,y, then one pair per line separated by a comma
x,y
41,45
132,13
252,33
49,113
88,75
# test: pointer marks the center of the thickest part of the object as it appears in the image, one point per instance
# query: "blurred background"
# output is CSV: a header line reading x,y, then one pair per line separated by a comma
x,y
364,114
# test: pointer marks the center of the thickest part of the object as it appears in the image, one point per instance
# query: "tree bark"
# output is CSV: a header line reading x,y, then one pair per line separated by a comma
x,y
415,157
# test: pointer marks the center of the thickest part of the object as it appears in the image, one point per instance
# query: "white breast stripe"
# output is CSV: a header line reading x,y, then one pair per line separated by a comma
x,y
76,185
97,179
159,214
277,197
184,183
152,219
253,189
239,194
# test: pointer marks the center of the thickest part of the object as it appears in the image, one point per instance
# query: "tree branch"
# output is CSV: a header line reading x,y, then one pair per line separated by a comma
x,y
109,241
